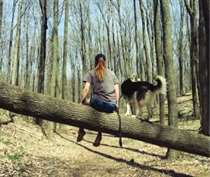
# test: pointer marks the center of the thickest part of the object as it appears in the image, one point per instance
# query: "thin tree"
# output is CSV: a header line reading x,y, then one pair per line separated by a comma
x,y
11,42
1,17
16,53
145,45
180,50
169,67
159,55
65,45
192,10
42,55
82,37
27,70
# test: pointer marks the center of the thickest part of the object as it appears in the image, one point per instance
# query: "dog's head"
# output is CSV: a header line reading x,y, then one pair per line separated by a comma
x,y
134,77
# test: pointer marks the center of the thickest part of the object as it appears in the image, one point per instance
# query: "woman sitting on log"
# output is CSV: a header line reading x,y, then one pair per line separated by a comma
x,y
105,92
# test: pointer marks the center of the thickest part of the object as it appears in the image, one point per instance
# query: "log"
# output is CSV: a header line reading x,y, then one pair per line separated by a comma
x,y
37,105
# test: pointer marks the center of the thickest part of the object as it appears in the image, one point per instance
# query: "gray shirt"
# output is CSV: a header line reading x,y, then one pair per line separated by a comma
x,y
102,89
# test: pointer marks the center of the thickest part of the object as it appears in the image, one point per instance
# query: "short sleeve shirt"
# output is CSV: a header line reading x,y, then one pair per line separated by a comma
x,y
102,89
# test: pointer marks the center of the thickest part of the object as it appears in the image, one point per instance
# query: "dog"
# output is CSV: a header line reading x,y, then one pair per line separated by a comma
x,y
138,94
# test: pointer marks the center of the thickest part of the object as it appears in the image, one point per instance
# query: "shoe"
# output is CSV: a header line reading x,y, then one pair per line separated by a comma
x,y
81,134
97,140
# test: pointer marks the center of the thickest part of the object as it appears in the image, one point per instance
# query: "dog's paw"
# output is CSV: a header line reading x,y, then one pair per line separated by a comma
x,y
133,116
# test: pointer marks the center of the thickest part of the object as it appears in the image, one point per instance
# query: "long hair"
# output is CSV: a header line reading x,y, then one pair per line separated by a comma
x,y
100,66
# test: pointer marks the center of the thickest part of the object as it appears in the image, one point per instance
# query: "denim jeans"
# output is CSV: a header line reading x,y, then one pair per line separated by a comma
x,y
102,106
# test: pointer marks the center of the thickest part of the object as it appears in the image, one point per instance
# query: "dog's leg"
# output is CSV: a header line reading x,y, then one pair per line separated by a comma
x,y
139,107
150,112
128,112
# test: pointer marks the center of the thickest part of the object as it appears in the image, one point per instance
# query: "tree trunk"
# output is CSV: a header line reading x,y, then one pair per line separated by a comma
x,y
83,45
145,45
169,67
136,39
180,50
65,45
57,110
42,56
1,17
28,68
193,12
204,65
10,43
159,55
16,57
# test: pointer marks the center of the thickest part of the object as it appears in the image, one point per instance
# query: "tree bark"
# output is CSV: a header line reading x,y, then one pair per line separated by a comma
x,y
16,57
204,65
145,44
65,45
169,67
41,65
42,56
34,104
192,10
181,51
83,44
159,55
1,20
10,42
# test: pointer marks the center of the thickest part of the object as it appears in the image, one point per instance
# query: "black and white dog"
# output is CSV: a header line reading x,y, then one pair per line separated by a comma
x,y
141,93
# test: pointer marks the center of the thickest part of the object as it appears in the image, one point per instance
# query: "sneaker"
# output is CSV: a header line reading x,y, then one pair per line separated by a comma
x,y
97,140
81,134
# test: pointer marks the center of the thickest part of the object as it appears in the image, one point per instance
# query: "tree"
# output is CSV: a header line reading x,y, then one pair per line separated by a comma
x,y
193,12
65,49
204,65
169,67
159,55
1,17
181,50
145,44
82,36
16,57
58,110
10,42
42,55
28,62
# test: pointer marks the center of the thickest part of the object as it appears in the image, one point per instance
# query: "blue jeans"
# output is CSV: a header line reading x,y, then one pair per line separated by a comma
x,y
102,106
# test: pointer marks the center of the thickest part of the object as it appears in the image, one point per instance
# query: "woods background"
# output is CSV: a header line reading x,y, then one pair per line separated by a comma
x,y
47,46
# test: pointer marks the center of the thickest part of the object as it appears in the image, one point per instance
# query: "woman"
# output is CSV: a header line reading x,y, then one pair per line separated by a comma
x,y
105,91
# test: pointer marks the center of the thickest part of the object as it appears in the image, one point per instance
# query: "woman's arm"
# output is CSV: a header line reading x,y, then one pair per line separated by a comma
x,y
85,91
117,93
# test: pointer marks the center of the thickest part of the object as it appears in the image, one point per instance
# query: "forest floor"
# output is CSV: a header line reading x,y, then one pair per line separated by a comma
x,y
25,151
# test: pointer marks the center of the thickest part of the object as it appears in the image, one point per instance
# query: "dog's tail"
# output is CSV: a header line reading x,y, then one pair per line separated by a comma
x,y
161,85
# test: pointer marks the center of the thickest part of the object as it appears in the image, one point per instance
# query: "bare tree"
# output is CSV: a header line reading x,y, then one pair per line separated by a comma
x,y
192,9
10,42
204,65
145,45
159,55
42,55
16,53
169,67
1,17
65,49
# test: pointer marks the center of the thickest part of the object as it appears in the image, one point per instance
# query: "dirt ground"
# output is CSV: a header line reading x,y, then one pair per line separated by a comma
x,y
25,151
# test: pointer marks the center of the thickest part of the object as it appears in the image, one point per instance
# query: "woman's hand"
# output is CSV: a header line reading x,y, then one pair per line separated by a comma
x,y
85,91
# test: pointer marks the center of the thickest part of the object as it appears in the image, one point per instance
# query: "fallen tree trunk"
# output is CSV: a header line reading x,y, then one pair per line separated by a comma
x,y
53,109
